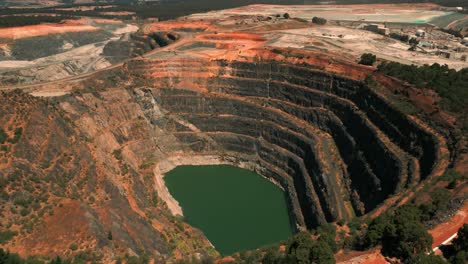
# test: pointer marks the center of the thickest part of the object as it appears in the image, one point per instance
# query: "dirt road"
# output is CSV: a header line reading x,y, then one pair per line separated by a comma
x,y
180,42
447,231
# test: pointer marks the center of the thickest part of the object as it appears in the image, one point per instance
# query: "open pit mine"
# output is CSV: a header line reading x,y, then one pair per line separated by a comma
x,y
94,148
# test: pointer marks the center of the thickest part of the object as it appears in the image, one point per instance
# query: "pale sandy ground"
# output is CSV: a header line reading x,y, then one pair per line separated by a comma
x,y
82,59
50,93
351,44
122,13
381,12
356,42
127,29
42,3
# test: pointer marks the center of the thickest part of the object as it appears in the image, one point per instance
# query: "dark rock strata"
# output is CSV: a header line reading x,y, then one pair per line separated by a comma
x,y
337,147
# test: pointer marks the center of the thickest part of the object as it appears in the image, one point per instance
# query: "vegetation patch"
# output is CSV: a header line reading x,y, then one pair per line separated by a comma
x,y
53,43
448,83
6,236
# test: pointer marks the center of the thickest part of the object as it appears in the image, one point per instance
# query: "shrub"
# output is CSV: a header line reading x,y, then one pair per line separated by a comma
x,y
375,230
272,255
368,59
440,199
286,16
117,154
73,247
448,83
23,199
18,133
329,240
319,20
341,222
401,234
425,259
3,136
12,258
355,224
56,260
461,242
461,257
404,235
452,184
302,249
24,212
7,235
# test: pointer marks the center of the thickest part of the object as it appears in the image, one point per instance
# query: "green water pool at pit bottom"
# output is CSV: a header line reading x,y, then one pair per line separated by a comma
x,y
235,208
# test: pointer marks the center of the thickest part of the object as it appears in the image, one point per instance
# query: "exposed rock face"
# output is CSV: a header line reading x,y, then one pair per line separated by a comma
x,y
50,172
335,145
146,42
332,143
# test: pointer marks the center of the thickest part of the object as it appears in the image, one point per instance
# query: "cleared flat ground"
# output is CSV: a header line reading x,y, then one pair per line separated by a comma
x,y
405,13
53,51
348,42
45,29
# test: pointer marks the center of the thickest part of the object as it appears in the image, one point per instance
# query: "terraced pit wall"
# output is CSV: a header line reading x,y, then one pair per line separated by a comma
x,y
334,145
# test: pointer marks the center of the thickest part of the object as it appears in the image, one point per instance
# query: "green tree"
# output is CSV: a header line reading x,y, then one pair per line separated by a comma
x,y
407,213
3,136
319,20
6,236
425,259
9,258
440,199
461,257
375,230
56,260
368,59
401,234
329,240
405,236
273,256
461,242
303,249
286,16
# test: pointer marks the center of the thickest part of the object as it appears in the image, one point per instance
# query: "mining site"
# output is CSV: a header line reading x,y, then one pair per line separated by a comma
x,y
353,117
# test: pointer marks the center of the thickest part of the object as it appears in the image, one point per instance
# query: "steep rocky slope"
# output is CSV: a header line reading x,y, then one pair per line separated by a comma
x,y
307,121
306,129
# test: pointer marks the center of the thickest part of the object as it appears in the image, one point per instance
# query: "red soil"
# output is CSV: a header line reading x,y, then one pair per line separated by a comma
x,y
45,29
445,230
180,24
107,21
462,164
356,257
67,225
233,36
